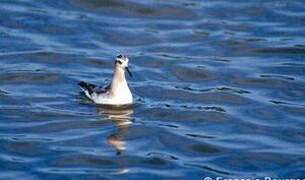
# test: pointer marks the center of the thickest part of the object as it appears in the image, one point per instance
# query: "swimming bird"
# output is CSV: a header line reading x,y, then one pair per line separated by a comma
x,y
117,93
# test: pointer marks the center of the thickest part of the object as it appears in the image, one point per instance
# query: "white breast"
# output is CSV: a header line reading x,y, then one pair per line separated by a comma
x,y
120,96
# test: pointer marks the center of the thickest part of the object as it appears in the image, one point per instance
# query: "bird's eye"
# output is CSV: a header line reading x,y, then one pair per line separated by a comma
x,y
119,56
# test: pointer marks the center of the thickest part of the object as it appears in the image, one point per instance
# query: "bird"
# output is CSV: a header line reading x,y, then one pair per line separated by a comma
x,y
117,93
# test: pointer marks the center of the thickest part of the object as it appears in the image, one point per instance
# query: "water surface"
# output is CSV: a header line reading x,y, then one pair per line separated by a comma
x,y
219,89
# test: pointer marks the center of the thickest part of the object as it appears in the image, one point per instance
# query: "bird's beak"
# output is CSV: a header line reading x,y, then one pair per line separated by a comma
x,y
127,69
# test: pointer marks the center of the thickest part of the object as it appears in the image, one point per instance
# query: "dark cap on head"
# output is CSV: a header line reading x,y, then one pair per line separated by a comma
x,y
119,56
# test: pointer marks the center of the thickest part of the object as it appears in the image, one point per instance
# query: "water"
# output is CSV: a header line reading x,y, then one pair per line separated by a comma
x,y
219,89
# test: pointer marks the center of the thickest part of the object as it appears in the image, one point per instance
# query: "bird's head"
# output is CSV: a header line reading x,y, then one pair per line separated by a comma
x,y
122,62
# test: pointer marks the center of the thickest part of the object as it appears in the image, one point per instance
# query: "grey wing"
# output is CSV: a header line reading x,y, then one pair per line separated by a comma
x,y
91,88
100,89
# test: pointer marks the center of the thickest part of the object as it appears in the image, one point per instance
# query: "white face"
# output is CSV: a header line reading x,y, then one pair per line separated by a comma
x,y
121,61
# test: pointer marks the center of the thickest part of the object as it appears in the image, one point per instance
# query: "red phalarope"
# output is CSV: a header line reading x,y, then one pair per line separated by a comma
x,y
117,92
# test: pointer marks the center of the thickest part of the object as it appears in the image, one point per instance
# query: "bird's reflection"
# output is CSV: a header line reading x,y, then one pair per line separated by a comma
x,y
122,118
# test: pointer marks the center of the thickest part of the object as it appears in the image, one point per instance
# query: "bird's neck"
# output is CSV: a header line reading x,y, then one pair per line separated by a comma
x,y
118,80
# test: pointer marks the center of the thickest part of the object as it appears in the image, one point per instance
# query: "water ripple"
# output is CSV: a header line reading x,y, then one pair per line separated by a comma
x,y
219,89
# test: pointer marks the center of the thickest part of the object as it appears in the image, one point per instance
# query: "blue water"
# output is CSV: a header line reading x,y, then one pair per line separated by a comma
x,y
219,89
